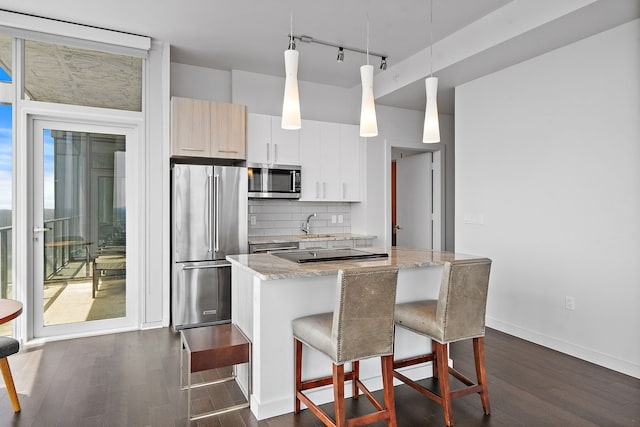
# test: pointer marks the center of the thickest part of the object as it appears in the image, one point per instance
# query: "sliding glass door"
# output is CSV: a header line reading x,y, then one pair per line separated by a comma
x,y
80,229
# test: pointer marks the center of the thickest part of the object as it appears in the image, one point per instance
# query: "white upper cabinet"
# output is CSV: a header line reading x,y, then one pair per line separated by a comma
x,y
350,163
268,143
310,160
330,159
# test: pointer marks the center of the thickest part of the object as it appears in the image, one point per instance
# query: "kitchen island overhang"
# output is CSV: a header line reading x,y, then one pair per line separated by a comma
x,y
269,292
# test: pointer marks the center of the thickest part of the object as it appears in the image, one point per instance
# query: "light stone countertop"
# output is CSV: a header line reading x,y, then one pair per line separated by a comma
x,y
258,240
271,267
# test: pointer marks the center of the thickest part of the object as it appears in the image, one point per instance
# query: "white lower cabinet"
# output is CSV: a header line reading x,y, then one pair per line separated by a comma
x,y
330,159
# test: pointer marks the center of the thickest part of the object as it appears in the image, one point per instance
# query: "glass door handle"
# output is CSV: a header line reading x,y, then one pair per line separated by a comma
x,y
41,229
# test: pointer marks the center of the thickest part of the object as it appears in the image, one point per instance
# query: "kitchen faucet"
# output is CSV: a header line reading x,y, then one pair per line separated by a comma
x,y
305,225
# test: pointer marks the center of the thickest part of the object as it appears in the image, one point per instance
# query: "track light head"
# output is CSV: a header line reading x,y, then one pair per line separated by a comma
x,y
383,63
340,57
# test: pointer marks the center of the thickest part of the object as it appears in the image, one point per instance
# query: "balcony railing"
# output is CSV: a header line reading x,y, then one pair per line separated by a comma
x,y
56,257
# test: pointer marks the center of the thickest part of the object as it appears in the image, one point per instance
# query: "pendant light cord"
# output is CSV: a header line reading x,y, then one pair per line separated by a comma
x,y
431,36
291,42
367,37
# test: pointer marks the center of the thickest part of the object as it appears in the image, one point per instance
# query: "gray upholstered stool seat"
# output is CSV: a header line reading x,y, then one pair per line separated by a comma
x,y
360,327
457,314
9,346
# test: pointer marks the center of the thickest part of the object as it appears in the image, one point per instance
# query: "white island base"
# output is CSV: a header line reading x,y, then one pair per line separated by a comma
x,y
264,304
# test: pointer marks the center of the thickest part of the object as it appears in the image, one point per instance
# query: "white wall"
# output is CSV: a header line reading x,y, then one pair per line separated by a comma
x,y
189,81
263,94
547,155
397,128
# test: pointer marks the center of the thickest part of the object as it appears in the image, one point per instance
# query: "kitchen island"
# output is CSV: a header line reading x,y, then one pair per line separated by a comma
x,y
268,292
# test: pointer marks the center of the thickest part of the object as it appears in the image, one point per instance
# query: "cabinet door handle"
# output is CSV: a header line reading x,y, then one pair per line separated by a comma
x,y
191,149
275,152
268,152
227,151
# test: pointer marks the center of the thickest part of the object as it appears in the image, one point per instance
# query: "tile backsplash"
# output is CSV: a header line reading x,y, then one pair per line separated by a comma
x,y
285,217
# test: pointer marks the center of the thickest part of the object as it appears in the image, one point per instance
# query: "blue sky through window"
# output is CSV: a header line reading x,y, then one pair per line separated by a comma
x,y
5,149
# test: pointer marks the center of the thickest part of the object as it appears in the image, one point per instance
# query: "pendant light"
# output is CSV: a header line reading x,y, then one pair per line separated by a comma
x,y
368,122
431,131
291,100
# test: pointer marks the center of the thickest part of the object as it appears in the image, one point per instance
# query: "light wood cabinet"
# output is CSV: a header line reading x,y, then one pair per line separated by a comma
x,y
268,143
330,159
202,128
228,130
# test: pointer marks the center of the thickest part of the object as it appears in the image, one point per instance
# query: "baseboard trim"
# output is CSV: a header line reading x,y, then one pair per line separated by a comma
x,y
610,362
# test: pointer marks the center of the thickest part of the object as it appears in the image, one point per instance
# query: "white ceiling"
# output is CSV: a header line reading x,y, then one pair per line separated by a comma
x,y
251,35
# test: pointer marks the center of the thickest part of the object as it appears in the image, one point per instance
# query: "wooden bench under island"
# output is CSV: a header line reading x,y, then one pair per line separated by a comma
x,y
269,291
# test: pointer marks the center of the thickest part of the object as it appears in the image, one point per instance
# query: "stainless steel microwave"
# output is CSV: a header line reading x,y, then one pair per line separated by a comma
x,y
274,181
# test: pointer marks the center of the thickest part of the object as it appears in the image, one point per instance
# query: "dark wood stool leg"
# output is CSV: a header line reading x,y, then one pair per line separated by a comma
x,y
298,373
338,395
434,362
355,368
443,379
387,384
8,381
481,372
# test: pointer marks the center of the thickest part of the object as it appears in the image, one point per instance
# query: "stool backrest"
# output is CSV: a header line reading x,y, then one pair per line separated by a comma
x,y
363,315
462,301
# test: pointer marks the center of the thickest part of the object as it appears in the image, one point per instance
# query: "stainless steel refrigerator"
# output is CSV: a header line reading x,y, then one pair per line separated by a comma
x,y
209,222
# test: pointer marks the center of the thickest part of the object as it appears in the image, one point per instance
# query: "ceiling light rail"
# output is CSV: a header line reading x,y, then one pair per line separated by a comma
x,y
341,48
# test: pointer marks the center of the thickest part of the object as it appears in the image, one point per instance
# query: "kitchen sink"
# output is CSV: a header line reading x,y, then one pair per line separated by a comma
x,y
313,236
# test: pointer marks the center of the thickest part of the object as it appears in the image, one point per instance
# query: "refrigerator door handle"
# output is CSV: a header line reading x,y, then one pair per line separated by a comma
x,y
208,191
206,266
216,180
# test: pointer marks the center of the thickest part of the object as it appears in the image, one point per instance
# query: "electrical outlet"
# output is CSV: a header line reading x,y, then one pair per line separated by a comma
x,y
333,219
569,303
340,219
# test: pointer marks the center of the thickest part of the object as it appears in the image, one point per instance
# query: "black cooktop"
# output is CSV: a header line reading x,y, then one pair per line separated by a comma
x,y
304,256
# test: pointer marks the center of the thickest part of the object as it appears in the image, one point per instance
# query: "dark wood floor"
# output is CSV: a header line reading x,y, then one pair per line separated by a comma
x,y
131,379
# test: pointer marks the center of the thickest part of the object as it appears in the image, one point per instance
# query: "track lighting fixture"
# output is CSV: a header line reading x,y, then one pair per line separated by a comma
x,y
291,103
341,48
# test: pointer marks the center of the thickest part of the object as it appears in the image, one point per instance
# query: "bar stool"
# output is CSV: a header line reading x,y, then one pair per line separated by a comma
x,y
9,346
457,314
360,327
